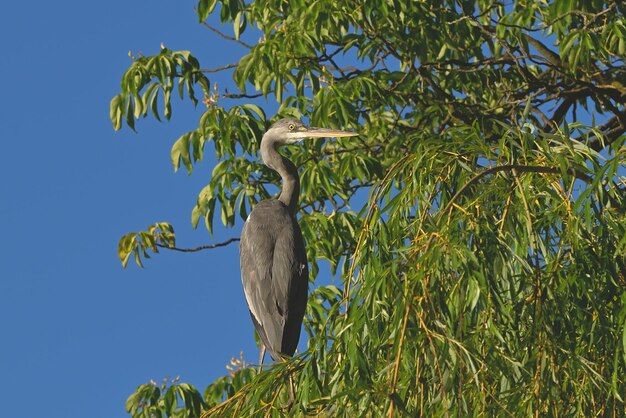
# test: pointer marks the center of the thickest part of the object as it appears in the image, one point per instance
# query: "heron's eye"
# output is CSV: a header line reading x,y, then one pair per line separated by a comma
x,y
292,126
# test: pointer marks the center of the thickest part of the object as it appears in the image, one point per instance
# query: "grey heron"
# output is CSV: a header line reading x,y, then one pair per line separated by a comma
x,y
274,268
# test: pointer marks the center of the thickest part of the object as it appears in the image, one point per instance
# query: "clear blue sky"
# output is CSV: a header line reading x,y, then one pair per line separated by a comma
x,y
79,333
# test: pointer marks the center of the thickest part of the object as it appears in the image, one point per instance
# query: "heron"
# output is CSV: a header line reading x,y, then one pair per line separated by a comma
x,y
274,267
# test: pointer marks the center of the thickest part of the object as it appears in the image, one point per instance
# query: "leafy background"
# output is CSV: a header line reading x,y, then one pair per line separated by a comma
x,y
79,333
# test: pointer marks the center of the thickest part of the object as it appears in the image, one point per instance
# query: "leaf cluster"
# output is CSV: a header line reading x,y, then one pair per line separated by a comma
x,y
170,399
137,244
149,78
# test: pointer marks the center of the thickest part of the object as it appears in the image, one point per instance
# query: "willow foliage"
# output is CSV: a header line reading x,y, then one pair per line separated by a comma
x,y
483,275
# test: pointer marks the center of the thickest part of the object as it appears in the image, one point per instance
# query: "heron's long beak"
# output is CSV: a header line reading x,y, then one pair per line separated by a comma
x,y
325,133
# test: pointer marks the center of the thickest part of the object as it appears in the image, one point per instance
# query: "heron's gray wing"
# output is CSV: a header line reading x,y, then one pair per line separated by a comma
x,y
290,279
256,253
274,275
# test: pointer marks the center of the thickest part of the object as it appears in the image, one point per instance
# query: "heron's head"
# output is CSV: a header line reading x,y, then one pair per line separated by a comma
x,y
289,131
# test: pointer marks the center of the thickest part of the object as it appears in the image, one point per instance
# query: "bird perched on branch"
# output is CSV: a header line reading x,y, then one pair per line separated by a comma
x,y
274,268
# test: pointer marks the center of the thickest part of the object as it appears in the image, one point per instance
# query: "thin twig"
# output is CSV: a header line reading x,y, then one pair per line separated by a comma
x,y
218,69
200,248
228,95
223,35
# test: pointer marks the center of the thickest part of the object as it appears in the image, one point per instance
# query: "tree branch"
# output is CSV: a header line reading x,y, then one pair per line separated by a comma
x,y
223,35
228,95
611,130
200,248
550,56
559,113
218,69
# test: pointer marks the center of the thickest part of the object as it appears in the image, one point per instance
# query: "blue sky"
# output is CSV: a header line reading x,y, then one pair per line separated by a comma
x,y
79,333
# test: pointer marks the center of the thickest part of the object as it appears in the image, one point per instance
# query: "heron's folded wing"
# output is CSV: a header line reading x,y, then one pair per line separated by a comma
x,y
290,283
256,254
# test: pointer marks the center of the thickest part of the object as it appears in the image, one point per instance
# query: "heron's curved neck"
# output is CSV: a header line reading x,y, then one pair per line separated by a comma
x,y
291,181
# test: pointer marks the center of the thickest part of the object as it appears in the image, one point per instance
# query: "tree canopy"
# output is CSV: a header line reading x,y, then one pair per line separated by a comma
x,y
477,223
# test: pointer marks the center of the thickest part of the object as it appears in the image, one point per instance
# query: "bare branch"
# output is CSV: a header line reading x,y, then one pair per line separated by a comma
x,y
560,113
218,69
613,129
228,95
550,56
200,248
223,35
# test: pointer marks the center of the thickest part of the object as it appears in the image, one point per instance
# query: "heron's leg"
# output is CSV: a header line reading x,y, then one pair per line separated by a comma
x,y
261,359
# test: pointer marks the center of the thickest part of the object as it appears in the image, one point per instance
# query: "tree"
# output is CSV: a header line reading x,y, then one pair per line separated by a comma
x,y
484,273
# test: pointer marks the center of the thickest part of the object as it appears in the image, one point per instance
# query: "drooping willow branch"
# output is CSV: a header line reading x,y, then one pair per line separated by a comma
x,y
510,167
200,248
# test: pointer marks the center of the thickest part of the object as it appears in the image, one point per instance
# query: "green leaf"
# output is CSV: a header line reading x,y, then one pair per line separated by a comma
x,y
205,8
130,111
239,25
180,152
624,340
115,113
256,109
